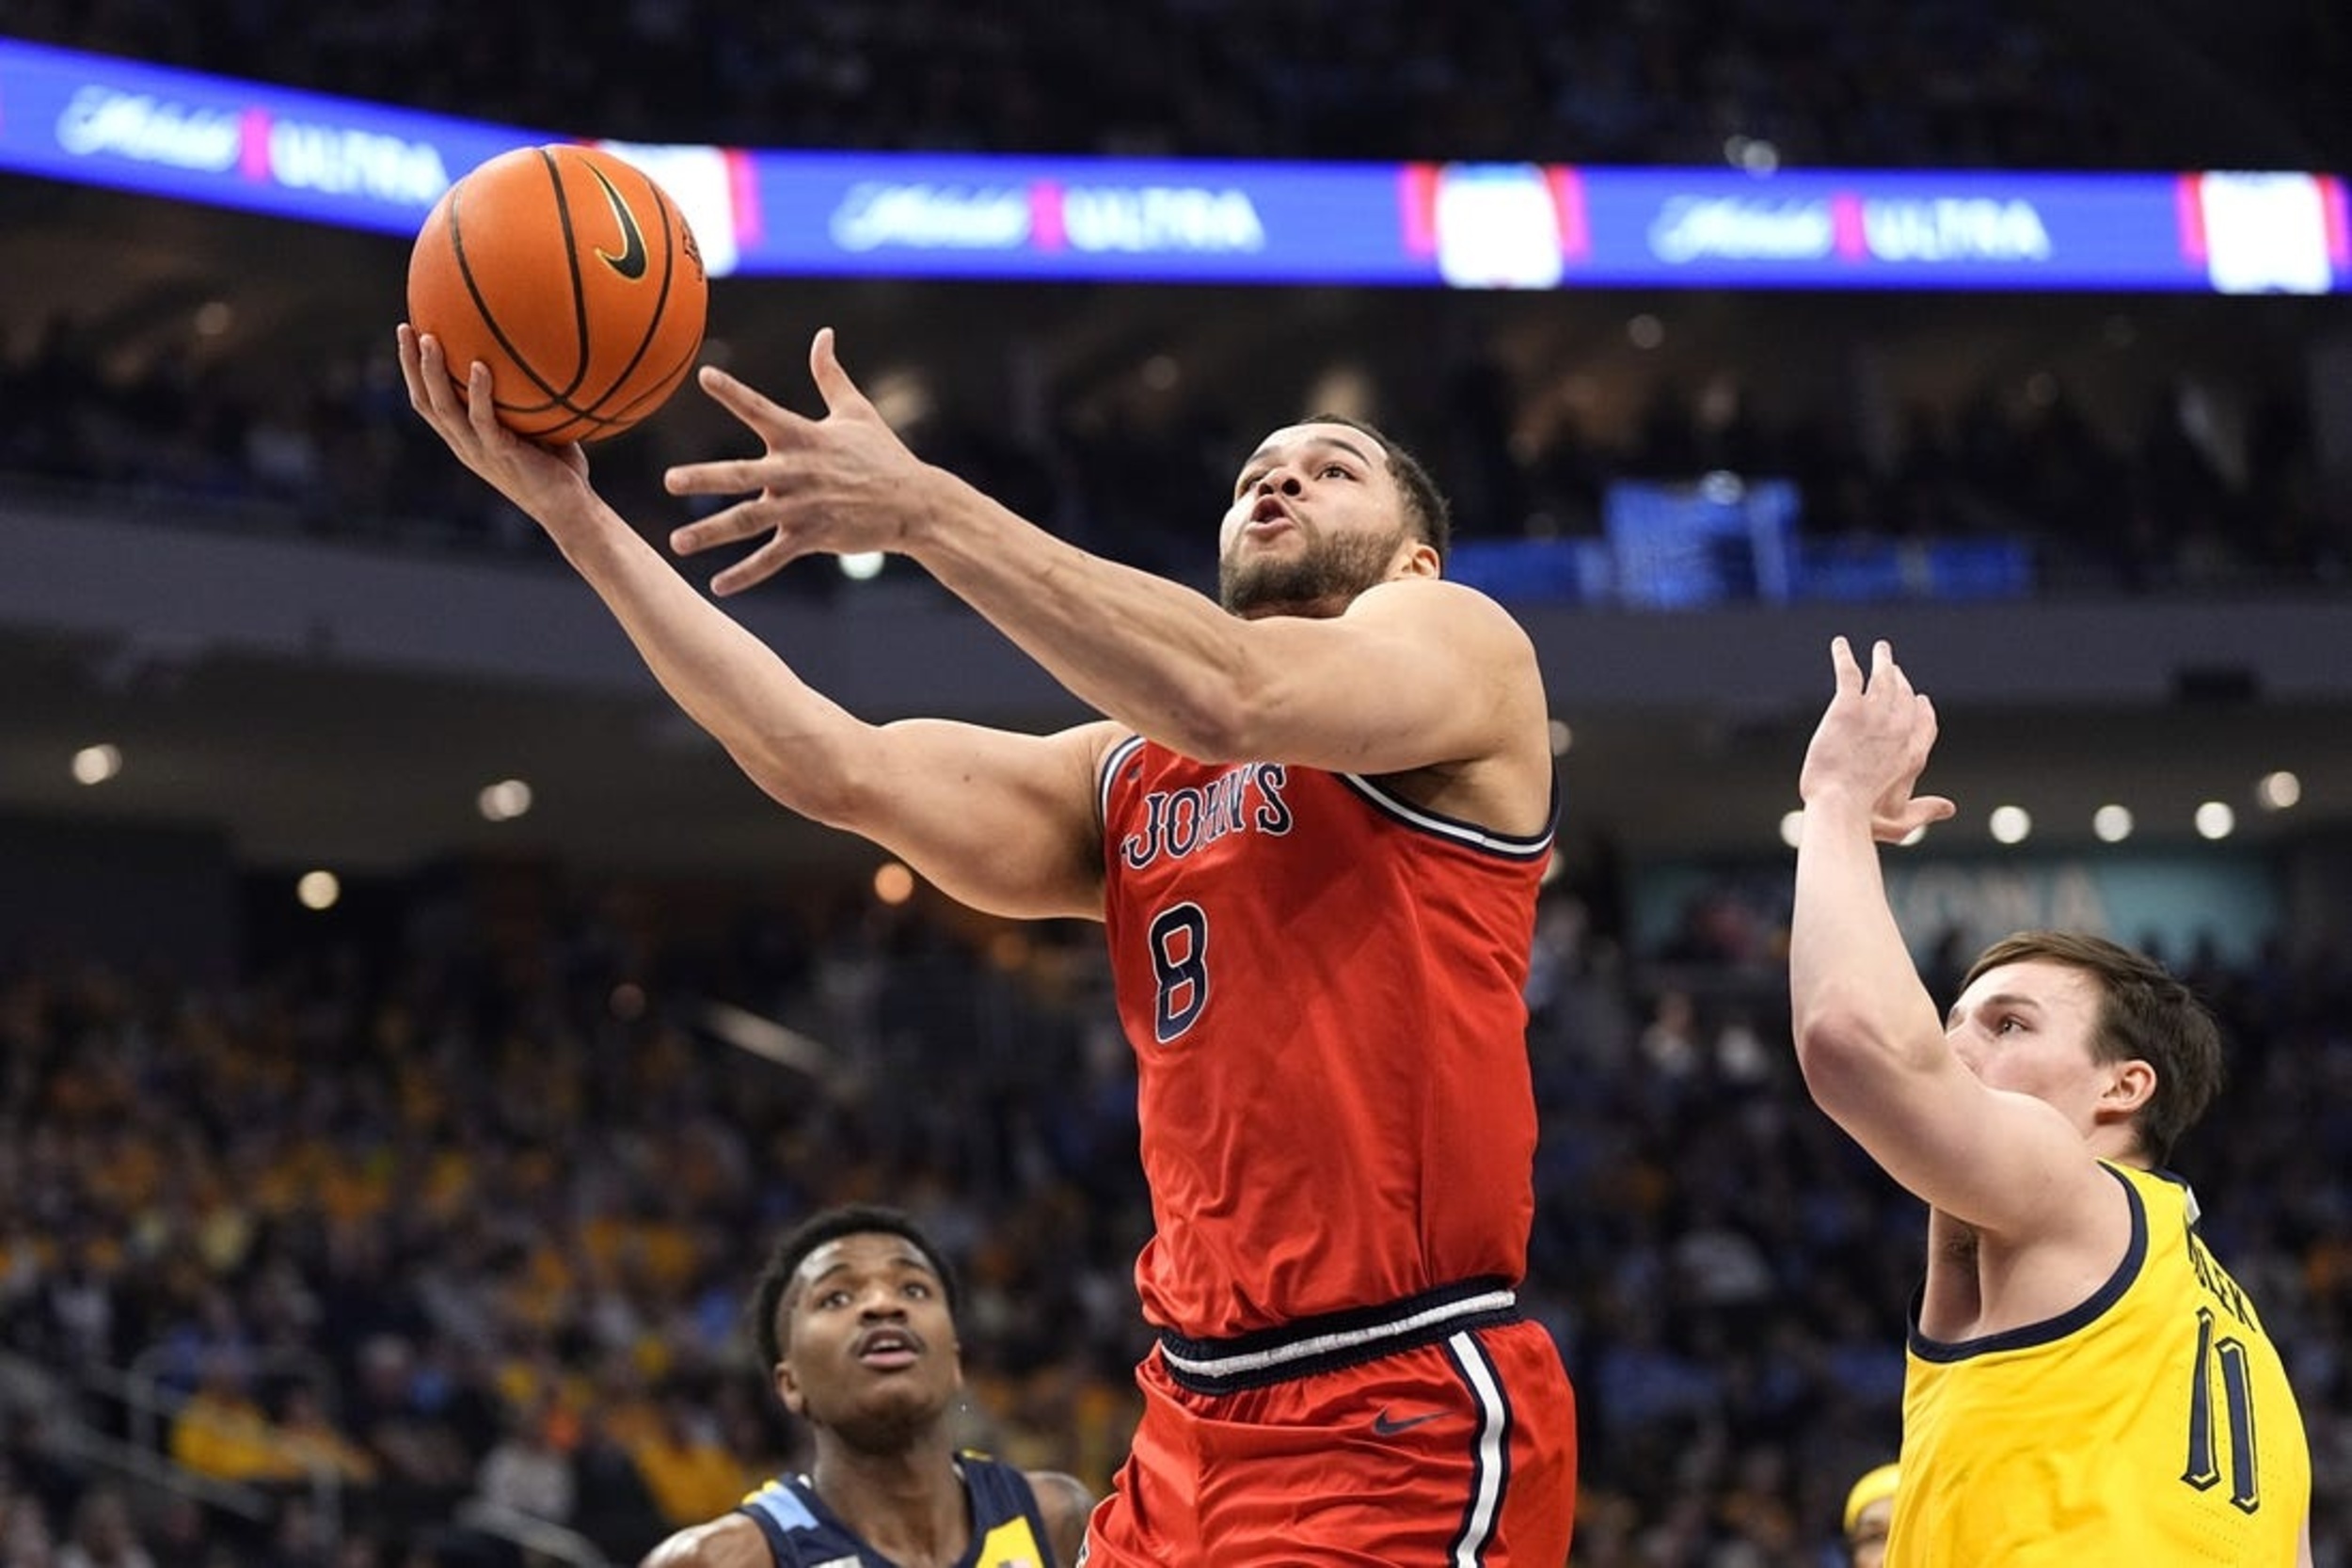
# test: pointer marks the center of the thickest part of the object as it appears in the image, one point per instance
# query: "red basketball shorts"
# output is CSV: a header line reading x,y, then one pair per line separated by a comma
x,y
1449,1442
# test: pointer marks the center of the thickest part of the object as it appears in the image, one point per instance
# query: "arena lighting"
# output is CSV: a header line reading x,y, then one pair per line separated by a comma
x,y
1563,738
2009,824
861,566
893,885
2216,820
1747,222
318,890
504,800
2112,823
2277,791
1791,828
95,765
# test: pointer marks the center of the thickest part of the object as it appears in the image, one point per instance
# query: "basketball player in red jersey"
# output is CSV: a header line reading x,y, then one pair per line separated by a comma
x,y
1313,822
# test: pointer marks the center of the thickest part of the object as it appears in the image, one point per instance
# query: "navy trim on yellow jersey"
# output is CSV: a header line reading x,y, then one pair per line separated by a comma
x,y
1508,845
2049,1329
800,1530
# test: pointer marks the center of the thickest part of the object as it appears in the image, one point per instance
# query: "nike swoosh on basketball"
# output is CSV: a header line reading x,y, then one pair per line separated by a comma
x,y
1386,1425
630,262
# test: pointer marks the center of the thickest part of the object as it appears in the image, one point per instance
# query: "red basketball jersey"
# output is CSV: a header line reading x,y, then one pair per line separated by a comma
x,y
1323,985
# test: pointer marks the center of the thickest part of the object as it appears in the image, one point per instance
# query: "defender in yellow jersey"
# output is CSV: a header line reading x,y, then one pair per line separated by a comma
x,y
2086,1384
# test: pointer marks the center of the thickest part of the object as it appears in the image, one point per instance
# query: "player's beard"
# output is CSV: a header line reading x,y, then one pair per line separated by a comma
x,y
1323,579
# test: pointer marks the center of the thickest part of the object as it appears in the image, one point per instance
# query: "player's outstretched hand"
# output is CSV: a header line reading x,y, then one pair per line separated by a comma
x,y
533,477
1872,744
841,485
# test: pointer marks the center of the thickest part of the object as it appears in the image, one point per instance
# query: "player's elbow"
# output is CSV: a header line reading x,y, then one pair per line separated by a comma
x,y
1231,714
1837,1039
805,776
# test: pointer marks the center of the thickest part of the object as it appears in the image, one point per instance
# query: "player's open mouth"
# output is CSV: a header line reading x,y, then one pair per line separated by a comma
x,y
886,1348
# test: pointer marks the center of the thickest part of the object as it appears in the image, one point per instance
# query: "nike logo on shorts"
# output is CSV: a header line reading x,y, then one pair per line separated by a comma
x,y
1383,1425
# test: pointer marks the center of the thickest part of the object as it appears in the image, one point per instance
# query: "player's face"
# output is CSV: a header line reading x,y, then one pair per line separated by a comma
x,y
2029,1027
870,1349
1316,518
1869,1541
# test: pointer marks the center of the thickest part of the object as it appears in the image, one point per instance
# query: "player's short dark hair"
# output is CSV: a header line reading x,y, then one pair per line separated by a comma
x,y
1425,505
2145,1013
831,1224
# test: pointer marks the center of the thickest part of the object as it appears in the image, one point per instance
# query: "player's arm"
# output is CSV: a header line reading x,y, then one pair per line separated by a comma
x,y
1870,1042
730,1541
1003,822
1066,1503
1419,673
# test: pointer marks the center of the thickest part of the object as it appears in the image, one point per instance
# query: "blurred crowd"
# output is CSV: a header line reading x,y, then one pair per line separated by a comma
x,y
2185,498
414,1248
2178,492
423,1242
1938,83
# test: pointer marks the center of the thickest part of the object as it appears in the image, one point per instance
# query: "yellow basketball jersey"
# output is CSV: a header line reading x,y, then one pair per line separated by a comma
x,y
2151,1427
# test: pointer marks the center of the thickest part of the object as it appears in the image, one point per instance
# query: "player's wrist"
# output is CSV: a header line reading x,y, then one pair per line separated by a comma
x,y
1838,805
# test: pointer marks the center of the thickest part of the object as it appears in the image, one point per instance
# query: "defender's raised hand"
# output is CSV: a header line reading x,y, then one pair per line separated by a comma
x,y
1871,746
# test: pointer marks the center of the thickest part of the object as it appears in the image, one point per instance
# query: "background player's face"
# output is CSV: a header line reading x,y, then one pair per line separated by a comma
x,y
1316,518
1869,1541
2029,1027
870,1347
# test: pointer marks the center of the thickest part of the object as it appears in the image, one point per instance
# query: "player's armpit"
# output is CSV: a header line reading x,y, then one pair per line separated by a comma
x,y
1001,821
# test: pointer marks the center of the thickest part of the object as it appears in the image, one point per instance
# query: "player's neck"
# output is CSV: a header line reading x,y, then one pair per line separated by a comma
x,y
908,1504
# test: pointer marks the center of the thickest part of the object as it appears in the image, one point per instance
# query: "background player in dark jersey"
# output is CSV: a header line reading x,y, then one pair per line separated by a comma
x,y
2085,1381
1313,820
855,1316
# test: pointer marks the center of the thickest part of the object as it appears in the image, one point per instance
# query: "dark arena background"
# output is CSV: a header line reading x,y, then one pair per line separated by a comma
x,y
413,1031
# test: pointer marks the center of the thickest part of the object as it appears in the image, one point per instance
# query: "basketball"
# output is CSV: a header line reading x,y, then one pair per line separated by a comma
x,y
571,275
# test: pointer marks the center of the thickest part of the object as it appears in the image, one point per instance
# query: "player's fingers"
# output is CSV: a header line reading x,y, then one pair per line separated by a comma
x,y
428,380
833,385
746,520
1883,662
765,415
405,345
482,404
757,567
727,476
1842,665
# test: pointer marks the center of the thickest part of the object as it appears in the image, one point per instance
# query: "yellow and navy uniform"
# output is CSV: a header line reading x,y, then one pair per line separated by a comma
x,y
1007,1531
2151,1426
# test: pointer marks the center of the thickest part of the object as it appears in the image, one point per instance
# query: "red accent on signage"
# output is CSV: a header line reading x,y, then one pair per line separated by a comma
x,y
1568,200
2331,208
1417,206
743,196
253,145
1845,231
1047,230
2189,199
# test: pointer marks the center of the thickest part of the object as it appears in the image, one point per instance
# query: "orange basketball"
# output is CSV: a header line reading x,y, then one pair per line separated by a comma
x,y
574,277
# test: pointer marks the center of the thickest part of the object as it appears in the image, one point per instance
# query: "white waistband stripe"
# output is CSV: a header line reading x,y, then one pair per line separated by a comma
x,y
1341,1339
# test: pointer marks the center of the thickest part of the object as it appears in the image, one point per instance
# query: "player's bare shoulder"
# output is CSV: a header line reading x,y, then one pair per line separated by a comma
x,y
1066,1503
730,1541
1454,616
